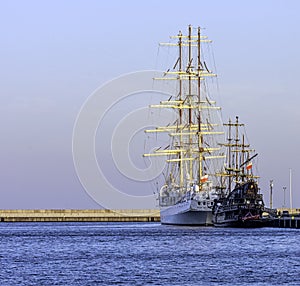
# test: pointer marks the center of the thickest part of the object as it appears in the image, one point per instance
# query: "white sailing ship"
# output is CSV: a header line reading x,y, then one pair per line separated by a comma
x,y
194,156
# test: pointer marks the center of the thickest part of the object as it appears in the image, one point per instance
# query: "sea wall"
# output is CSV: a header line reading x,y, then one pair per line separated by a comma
x,y
80,215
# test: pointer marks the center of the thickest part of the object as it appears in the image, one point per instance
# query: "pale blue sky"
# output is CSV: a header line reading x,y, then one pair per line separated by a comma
x,y
54,54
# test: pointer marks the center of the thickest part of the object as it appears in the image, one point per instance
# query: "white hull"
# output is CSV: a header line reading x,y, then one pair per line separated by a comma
x,y
186,213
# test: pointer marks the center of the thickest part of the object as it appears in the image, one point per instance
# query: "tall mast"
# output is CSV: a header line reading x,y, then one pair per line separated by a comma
x,y
187,149
180,70
229,153
199,113
243,158
190,100
189,72
180,111
234,152
237,148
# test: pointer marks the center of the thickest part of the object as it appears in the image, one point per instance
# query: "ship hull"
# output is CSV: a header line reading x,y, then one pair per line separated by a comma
x,y
196,218
243,207
240,223
186,214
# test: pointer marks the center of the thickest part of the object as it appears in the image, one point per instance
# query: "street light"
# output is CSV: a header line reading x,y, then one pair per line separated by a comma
x,y
284,189
271,194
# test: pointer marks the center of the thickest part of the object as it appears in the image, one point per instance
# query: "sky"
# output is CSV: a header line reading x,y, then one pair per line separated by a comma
x,y
55,54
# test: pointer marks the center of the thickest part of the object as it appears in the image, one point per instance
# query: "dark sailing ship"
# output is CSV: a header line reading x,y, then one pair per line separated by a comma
x,y
242,205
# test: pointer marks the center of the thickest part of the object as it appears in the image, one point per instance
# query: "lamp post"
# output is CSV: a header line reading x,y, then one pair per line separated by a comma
x,y
271,194
284,189
291,197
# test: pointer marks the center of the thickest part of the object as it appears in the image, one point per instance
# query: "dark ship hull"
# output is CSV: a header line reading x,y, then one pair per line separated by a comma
x,y
236,222
243,207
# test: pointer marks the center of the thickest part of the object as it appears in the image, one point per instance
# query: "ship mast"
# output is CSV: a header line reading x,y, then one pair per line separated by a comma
x,y
180,111
200,138
229,153
190,100
237,139
236,154
243,158
187,149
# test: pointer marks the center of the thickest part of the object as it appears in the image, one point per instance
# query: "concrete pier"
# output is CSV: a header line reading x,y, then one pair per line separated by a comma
x,y
292,221
287,222
79,215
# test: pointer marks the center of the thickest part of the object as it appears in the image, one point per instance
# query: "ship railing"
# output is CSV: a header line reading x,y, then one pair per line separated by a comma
x,y
169,201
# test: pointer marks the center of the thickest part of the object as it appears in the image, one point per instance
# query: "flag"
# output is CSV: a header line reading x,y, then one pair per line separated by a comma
x,y
249,166
204,179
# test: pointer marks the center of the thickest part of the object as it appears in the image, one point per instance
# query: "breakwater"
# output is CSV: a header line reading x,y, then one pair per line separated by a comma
x,y
102,215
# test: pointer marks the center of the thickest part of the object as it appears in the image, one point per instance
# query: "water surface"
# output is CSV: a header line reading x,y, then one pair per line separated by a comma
x,y
146,254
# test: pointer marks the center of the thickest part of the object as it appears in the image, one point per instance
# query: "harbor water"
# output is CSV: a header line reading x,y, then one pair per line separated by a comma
x,y
146,254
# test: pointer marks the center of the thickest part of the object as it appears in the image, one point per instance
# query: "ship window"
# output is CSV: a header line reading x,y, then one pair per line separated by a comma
x,y
199,203
204,203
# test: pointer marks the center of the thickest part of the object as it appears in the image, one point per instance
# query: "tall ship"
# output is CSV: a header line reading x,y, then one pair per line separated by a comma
x,y
242,205
193,155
